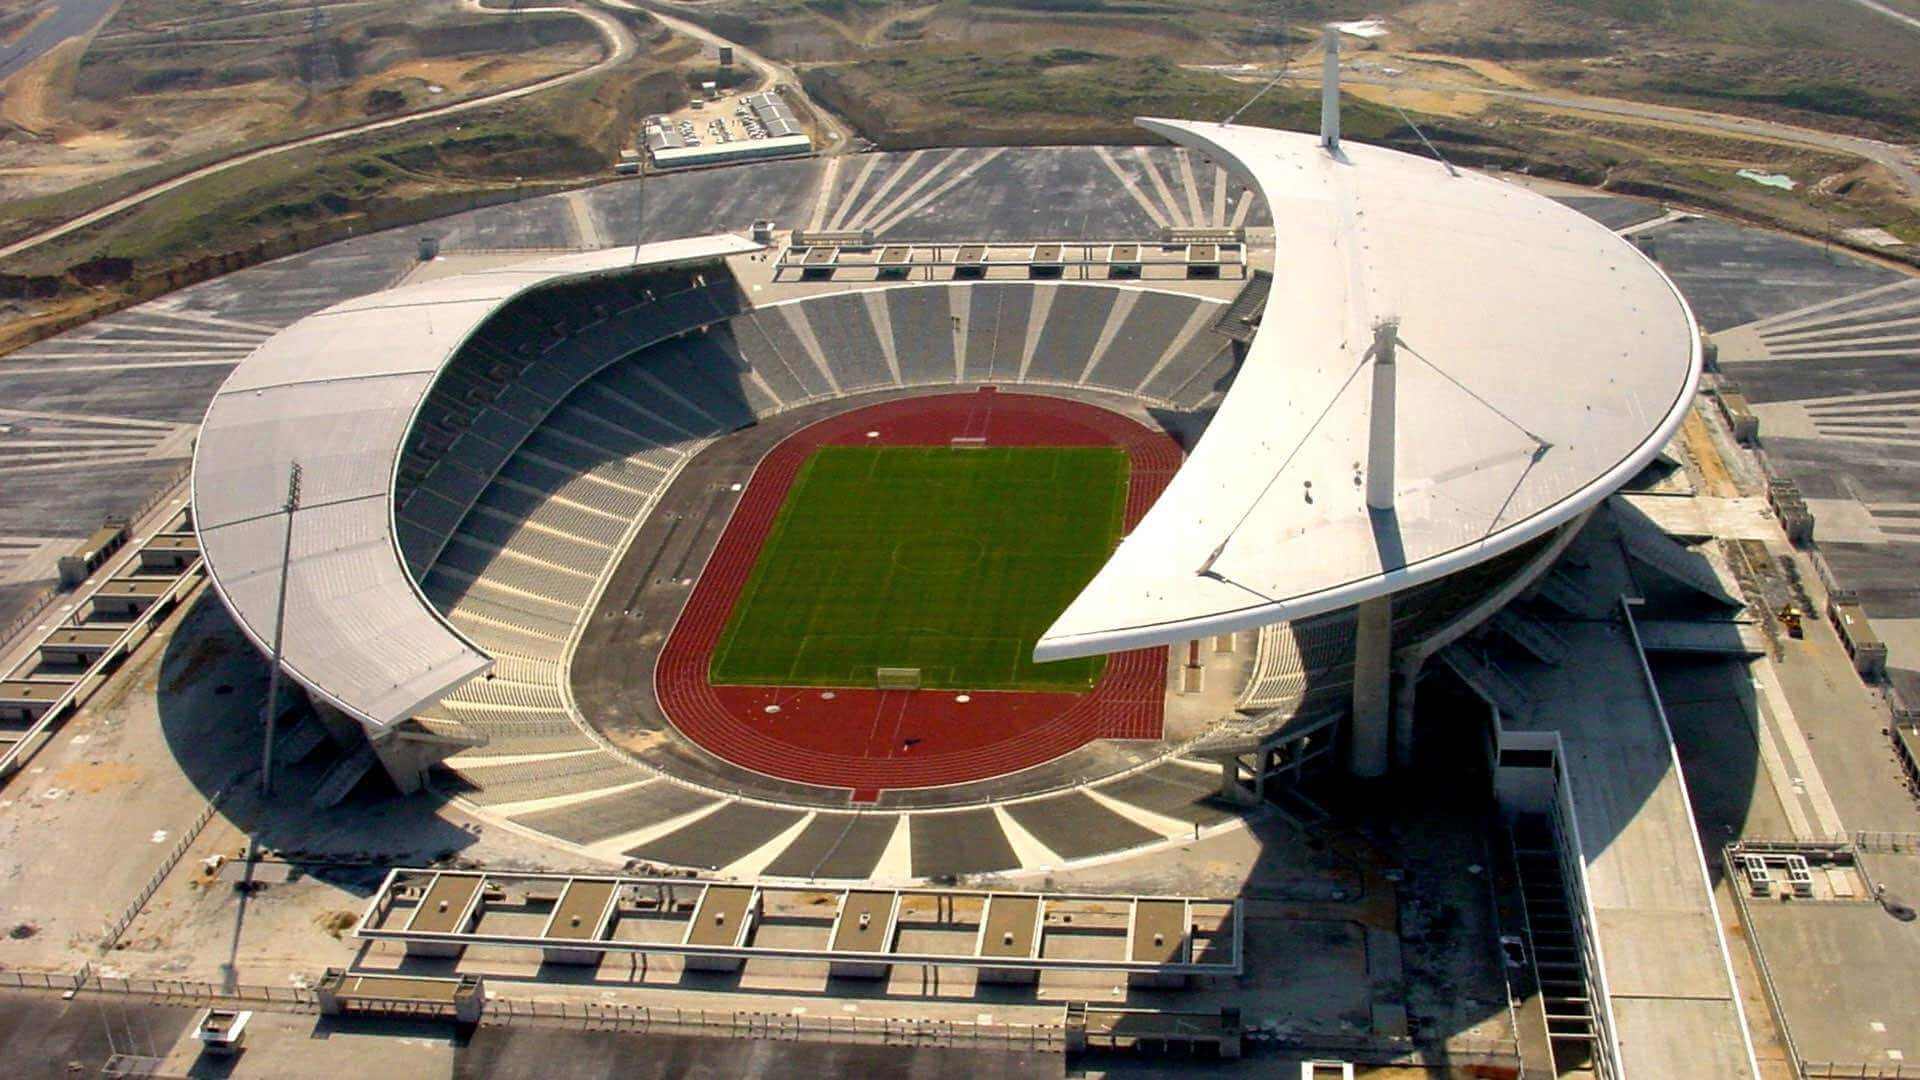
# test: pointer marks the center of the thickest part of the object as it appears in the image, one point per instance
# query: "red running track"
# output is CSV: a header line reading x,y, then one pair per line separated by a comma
x,y
872,740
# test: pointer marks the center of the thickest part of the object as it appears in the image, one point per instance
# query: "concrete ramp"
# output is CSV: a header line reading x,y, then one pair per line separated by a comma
x,y
343,778
1702,638
1652,549
1486,679
1539,639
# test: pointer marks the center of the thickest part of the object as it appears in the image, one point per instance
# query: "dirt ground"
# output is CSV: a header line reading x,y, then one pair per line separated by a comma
x,y
60,128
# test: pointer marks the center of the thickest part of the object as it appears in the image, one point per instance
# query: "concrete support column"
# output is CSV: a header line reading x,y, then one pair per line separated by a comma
x,y
1405,674
1368,734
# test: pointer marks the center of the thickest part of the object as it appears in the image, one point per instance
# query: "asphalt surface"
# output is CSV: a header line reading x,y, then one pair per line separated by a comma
x,y
70,19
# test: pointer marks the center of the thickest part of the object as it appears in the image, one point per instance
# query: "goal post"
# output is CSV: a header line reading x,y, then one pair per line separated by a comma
x,y
898,678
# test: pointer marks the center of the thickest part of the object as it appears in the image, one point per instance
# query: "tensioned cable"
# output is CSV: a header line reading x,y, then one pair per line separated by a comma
x,y
1271,83
1434,150
1490,406
1258,94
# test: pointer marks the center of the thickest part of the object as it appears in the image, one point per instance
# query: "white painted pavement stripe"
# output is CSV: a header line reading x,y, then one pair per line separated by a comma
x,y
1829,332
1906,342
959,300
1201,317
755,862
1243,209
1797,314
886,185
1122,307
109,350
614,848
1133,189
896,859
1187,181
123,442
197,333
803,330
828,177
1667,218
1842,354
1036,322
19,372
1155,823
876,303
1842,321
1841,399
884,214
1160,187
586,227
1896,440
1783,787
169,309
1828,431
952,182
74,463
853,193
1886,408
1797,749
67,453
88,418
1219,217
1026,846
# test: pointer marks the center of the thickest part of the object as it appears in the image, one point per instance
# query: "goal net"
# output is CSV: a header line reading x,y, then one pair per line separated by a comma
x,y
898,678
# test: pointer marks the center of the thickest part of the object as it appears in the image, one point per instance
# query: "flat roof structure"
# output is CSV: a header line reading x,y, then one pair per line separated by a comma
x,y
1542,361
338,393
582,912
427,909
721,916
1011,926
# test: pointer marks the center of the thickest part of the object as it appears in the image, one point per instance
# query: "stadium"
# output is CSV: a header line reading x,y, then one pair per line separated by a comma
x,y
789,556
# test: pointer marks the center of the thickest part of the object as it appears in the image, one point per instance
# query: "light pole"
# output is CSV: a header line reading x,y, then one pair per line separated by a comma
x,y
279,634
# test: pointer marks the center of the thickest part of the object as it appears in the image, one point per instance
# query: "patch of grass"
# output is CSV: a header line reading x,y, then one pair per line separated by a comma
x,y
1824,97
928,97
953,561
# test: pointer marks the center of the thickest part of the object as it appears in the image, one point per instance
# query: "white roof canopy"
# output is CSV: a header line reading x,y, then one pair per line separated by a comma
x,y
1542,362
338,392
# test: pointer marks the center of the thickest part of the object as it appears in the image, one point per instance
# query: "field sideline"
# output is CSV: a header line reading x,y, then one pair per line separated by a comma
x,y
949,560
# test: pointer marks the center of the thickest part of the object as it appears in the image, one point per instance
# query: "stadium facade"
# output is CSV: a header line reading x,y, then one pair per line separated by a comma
x,y
1449,372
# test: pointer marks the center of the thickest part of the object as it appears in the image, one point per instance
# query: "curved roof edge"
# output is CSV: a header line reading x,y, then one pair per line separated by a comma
x,y
338,392
1543,362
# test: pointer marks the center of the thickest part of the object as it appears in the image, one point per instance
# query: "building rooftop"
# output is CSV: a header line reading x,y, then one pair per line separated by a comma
x,y
337,392
1542,361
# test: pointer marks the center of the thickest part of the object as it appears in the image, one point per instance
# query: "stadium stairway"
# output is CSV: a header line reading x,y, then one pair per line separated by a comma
x,y
654,819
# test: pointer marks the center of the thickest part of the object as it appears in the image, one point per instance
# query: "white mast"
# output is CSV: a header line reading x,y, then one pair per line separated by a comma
x,y
1330,91
1380,440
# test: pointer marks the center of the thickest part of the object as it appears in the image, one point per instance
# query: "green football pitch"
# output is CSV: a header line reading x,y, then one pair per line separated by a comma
x,y
950,560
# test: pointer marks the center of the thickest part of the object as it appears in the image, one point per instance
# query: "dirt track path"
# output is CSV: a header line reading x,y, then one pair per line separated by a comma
x,y
620,46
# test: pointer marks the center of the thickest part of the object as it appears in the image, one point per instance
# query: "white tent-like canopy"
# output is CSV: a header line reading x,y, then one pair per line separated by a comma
x,y
1542,361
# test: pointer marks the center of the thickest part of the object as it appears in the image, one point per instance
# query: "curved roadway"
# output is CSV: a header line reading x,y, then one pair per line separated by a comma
x,y
1898,160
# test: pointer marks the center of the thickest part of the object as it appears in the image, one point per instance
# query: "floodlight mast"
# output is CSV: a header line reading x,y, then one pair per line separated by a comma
x,y
1330,91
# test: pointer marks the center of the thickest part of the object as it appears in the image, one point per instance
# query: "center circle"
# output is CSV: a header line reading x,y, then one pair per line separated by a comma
x,y
940,555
